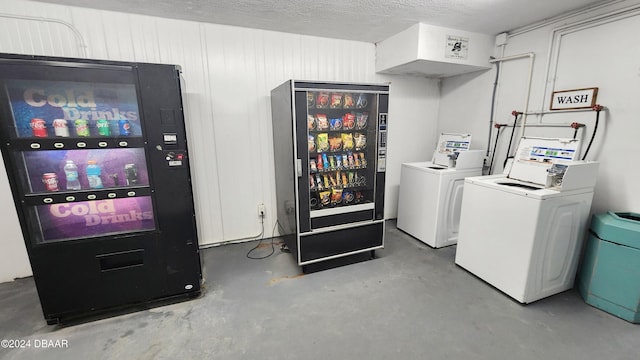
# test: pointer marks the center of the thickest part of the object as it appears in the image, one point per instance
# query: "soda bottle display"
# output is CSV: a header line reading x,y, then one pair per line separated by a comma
x,y
124,126
103,127
39,127
82,127
131,172
61,127
93,175
71,172
50,181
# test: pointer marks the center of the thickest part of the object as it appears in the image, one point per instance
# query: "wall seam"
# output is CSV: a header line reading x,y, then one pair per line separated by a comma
x,y
82,47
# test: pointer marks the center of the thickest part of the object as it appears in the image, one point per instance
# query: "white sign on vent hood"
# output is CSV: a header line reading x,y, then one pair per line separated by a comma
x,y
457,47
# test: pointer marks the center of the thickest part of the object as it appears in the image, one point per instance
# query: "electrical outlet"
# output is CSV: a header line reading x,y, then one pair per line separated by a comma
x,y
261,210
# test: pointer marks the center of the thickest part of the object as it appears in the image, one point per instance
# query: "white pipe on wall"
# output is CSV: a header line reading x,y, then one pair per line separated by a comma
x,y
542,125
557,112
531,57
563,17
82,47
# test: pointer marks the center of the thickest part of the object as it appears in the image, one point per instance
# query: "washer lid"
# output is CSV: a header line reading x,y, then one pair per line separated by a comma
x,y
428,167
536,155
448,144
502,183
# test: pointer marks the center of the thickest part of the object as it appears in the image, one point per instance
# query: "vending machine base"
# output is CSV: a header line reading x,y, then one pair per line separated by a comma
x,y
322,250
71,319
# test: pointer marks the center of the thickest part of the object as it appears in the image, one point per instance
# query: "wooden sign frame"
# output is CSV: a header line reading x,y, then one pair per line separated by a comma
x,y
584,98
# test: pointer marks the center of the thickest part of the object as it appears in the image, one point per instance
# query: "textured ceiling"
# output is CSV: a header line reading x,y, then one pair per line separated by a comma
x,y
361,20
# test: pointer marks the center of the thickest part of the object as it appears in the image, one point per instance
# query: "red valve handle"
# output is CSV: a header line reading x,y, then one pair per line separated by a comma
x,y
597,107
516,113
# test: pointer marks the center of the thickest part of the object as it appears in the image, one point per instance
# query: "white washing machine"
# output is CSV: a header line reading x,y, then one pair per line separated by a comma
x,y
431,192
523,233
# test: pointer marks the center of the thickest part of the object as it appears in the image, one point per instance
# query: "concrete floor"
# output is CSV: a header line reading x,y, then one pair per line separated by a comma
x,y
412,302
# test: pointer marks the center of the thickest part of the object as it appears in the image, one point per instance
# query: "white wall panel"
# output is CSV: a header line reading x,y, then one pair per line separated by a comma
x,y
31,34
465,105
413,113
229,73
617,140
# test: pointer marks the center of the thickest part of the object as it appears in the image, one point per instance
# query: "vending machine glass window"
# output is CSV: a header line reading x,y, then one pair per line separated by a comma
x,y
341,164
69,117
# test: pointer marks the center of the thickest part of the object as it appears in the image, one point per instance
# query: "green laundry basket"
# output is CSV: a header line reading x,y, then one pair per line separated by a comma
x,y
610,275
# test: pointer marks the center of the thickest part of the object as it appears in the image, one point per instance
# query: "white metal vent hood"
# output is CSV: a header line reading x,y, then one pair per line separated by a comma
x,y
433,51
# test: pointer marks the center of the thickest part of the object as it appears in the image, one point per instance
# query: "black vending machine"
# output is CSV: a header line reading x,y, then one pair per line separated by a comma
x,y
330,151
96,155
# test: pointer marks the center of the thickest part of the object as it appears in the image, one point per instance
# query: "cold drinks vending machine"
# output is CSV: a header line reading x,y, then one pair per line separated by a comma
x,y
330,146
96,155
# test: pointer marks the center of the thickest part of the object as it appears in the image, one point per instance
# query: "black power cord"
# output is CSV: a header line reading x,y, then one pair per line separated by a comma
x,y
283,245
273,249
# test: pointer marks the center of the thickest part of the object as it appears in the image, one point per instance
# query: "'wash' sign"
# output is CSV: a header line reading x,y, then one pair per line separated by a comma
x,y
574,99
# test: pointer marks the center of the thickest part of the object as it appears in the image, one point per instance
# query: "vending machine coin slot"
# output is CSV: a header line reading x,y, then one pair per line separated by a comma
x,y
175,159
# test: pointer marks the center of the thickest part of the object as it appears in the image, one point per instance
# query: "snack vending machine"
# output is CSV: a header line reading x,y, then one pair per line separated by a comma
x,y
330,146
96,155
